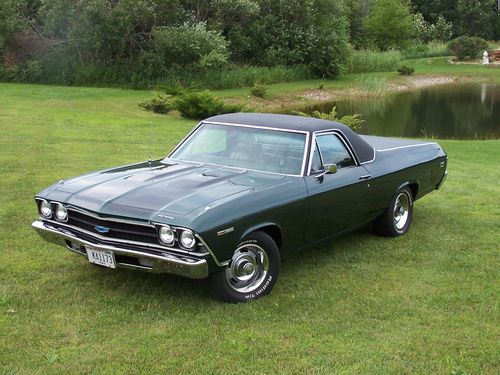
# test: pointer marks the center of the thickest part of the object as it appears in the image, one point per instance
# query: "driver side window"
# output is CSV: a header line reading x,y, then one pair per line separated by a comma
x,y
333,151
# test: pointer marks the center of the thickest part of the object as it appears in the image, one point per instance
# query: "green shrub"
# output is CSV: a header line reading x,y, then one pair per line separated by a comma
x,y
389,24
189,45
29,71
406,70
202,104
467,46
159,103
259,90
352,121
365,61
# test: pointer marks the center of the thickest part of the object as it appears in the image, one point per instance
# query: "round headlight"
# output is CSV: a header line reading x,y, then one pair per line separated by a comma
x,y
187,239
166,235
45,209
61,212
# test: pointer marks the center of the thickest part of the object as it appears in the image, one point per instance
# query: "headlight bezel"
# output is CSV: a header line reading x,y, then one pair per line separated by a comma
x,y
187,232
161,239
183,238
58,206
44,205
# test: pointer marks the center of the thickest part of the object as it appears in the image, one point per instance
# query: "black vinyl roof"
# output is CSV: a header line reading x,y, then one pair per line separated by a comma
x,y
363,150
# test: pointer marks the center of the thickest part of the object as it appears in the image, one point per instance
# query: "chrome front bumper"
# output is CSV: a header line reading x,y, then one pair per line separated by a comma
x,y
161,262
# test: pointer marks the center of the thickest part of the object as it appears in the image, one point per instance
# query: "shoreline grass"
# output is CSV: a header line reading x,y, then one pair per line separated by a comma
x,y
290,95
423,303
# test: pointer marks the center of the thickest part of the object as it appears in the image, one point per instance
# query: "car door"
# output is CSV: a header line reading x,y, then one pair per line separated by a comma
x,y
337,202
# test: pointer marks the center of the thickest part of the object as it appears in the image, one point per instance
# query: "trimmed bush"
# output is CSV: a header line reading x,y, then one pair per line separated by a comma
x,y
202,104
159,103
406,70
259,90
467,46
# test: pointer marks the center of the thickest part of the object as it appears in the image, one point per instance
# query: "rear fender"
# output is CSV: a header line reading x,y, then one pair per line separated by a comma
x,y
410,185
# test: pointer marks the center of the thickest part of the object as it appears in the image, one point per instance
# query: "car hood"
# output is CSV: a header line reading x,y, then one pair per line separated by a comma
x,y
151,188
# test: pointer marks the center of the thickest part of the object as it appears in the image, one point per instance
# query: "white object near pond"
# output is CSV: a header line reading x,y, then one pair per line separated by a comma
x,y
486,59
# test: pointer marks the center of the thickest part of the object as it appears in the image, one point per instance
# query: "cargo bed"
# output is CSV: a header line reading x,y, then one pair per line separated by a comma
x,y
386,144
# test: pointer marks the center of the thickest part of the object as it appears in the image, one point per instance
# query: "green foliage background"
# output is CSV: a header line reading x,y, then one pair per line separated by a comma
x,y
147,43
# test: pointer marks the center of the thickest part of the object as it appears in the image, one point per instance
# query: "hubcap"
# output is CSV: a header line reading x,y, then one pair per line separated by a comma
x,y
248,268
401,210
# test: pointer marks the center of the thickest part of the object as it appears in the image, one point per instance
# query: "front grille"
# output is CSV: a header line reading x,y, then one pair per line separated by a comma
x,y
118,230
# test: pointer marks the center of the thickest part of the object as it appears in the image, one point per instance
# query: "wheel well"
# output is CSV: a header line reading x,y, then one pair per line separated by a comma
x,y
274,232
414,189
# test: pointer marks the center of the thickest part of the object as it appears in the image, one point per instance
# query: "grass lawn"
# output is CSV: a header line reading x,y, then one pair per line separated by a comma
x,y
423,303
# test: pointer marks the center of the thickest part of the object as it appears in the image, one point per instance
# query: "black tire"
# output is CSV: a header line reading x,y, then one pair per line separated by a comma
x,y
396,219
252,272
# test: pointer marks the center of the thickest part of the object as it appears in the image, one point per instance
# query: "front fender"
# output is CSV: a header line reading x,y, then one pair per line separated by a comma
x,y
262,226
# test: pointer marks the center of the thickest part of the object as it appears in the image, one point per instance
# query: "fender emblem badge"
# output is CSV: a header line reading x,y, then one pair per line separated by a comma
x,y
224,231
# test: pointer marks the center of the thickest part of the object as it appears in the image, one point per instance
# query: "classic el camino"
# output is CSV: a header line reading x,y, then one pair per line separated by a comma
x,y
238,193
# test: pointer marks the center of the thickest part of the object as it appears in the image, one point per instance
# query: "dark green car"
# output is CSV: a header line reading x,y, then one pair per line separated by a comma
x,y
237,194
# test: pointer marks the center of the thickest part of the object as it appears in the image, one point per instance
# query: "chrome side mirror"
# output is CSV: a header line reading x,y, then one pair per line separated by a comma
x,y
331,168
328,169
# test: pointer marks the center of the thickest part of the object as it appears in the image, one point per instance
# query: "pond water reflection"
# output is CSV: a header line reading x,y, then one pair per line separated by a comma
x,y
456,111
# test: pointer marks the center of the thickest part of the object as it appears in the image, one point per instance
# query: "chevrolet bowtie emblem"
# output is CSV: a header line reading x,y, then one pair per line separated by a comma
x,y
101,229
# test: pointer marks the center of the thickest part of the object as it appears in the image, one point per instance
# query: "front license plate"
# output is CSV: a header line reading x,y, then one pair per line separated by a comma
x,y
101,257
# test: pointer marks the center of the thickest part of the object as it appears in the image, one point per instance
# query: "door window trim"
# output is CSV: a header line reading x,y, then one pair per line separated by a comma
x,y
339,136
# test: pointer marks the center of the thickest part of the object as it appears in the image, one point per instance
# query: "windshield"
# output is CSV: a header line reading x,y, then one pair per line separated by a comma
x,y
245,147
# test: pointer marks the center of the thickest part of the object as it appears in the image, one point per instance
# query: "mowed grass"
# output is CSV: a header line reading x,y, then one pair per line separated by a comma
x,y
426,302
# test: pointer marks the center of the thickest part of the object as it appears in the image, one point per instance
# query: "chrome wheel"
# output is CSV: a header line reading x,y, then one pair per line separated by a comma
x,y
401,210
248,268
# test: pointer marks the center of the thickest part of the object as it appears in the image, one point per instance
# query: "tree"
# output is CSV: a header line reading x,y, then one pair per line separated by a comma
x,y
16,17
357,12
425,32
471,17
308,32
478,18
188,45
389,24
432,9
233,18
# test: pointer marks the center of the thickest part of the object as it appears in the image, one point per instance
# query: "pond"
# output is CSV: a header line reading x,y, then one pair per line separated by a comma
x,y
454,111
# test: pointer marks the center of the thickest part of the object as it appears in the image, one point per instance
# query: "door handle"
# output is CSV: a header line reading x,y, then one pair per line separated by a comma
x,y
365,177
